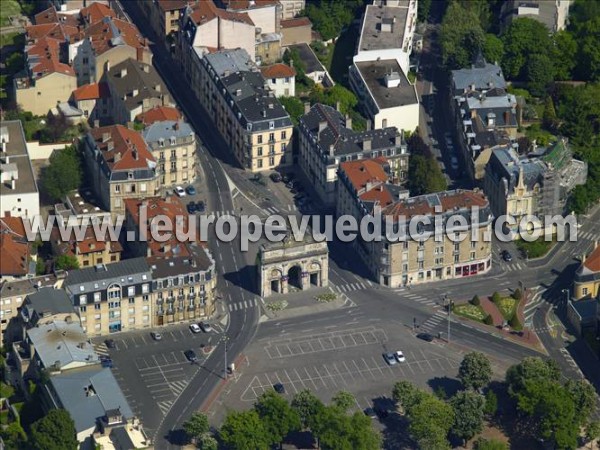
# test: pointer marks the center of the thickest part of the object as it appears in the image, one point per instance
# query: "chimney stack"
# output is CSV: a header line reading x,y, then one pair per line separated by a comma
x,y
366,145
13,183
306,109
368,125
337,105
348,122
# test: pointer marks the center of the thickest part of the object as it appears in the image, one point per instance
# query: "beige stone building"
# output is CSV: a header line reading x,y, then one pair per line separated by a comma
x,y
290,265
89,251
296,31
587,278
402,259
245,111
173,145
164,15
119,166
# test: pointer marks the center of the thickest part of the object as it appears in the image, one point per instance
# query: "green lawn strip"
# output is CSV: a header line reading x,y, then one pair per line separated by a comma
x,y
535,249
507,307
471,312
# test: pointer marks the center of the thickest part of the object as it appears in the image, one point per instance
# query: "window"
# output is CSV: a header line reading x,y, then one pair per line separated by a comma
x,y
131,310
585,291
132,301
271,137
260,141
82,299
259,151
283,147
143,187
456,258
96,297
83,309
145,288
260,164
130,175
271,149
117,188
273,80
287,79
271,161
472,256
97,307
271,125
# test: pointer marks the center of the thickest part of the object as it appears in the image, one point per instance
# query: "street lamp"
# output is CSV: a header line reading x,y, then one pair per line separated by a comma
x,y
448,306
566,292
225,371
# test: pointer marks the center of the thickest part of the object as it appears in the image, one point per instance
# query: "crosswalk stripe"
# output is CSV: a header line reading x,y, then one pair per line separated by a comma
x,y
245,304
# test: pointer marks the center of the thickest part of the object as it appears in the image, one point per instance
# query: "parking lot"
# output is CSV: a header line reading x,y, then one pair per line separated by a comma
x,y
154,373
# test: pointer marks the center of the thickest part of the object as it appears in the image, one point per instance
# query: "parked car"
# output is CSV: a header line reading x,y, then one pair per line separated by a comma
x,y
190,189
156,336
370,412
205,327
425,337
390,359
506,256
279,388
190,355
275,177
200,206
179,191
400,356
195,328
110,343
106,362
191,208
285,178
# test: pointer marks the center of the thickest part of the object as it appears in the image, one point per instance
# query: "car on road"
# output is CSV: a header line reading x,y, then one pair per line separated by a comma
x,y
205,327
506,256
454,163
400,356
195,328
179,191
200,206
279,388
156,336
190,355
191,208
425,337
110,343
106,362
191,190
275,177
390,359
370,412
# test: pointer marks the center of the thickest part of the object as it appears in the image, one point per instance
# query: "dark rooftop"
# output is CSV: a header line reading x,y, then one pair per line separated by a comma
x,y
374,74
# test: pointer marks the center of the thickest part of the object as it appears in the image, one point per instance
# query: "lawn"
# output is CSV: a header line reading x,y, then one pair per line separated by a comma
x,y
470,312
535,249
15,38
9,8
507,307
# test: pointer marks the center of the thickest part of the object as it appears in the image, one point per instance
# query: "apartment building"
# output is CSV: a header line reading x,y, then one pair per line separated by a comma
x,y
183,272
88,251
552,13
111,298
405,260
296,31
119,165
245,111
586,284
173,145
326,140
281,79
19,195
17,259
135,87
158,114
80,207
164,15
93,101
536,184
291,8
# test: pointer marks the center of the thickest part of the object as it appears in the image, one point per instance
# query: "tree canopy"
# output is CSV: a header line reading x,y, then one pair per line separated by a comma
x,y
196,426
55,431
276,415
461,35
475,370
424,173
63,174
244,431
468,414
308,407
329,17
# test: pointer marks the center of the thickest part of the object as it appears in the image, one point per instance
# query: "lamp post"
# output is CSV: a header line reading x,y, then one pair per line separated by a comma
x,y
448,306
566,292
225,372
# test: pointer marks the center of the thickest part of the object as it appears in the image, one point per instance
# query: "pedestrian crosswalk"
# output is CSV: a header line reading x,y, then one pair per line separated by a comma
x,y
424,300
588,236
531,308
570,360
511,267
218,214
178,386
101,349
282,210
165,406
348,287
244,304
433,322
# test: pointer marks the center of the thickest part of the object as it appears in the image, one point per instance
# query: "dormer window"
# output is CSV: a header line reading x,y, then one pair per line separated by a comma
x,y
161,142
130,175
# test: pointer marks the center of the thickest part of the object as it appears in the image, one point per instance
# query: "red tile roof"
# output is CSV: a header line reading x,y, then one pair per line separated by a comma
x,y
96,12
205,11
297,22
278,70
50,15
89,244
171,5
46,53
448,201
14,247
57,31
245,4
101,33
158,114
92,91
129,150
365,171
592,262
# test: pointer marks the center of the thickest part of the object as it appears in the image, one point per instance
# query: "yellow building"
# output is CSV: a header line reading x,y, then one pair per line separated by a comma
x,y
587,278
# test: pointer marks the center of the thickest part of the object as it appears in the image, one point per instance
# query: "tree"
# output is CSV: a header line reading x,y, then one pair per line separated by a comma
x,y
523,38
207,442
337,431
493,48
584,397
490,444
430,422
461,36
344,400
6,390
475,300
475,371
592,432
425,176
549,120
496,297
539,73
468,414
244,431
55,431
66,262
531,368
588,66
407,395
63,174
491,403
196,426
307,406
277,416
563,55
330,17
517,295
14,436
294,107
337,95
423,8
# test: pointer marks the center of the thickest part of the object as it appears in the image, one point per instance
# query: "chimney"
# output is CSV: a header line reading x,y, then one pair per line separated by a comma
x,y
7,160
13,183
398,140
3,146
117,157
167,199
146,68
96,123
331,150
366,145
176,126
368,125
123,72
506,118
135,92
306,108
135,153
110,146
337,106
348,121
105,137
157,87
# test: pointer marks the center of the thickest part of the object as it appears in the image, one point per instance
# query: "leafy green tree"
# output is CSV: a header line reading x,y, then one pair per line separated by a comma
x,y
63,174
475,301
461,36
337,431
207,442
423,8
493,48
523,38
344,400
430,422
338,94
549,120
6,390
294,107
329,17
592,431
425,176
468,409
564,55
277,416
481,8
407,395
55,431
196,426
589,50
244,431
490,444
66,262
307,406
584,397
14,436
475,370
531,368
491,403
539,73
362,434
496,297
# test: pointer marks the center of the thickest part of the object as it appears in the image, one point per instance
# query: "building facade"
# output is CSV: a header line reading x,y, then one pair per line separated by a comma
x,y
281,79
587,278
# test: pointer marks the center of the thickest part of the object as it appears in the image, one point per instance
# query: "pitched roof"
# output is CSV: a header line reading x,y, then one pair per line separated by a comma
x,y
248,4
50,15
278,70
592,262
158,114
171,5
93,91
111,32
296,22
91,243
14,247
205,11
44,58
124,149
363,172
54,30
96,12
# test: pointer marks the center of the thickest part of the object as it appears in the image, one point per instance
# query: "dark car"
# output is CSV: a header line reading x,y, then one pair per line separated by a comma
x,y
191,190
191,208
275,177
190,355
506,256
106,362
370,412
200,206
279,388
285,178
110,343
425,337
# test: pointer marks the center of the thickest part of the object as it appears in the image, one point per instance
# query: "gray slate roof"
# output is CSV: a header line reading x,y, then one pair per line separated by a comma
x,y
166,129
72,388
308,57
49,301
506,163
125,272
231,61
484,76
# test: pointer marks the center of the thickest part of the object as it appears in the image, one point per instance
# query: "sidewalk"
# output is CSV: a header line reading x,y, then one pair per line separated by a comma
x,y
302,303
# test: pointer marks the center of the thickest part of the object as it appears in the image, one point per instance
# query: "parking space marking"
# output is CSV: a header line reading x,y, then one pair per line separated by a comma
x,y
291,382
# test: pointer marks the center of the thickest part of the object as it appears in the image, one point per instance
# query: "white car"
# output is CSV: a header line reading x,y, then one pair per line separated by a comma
x,y
180,191
399,356
195,328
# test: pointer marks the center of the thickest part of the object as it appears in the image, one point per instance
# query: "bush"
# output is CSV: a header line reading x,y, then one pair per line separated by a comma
x,y
496,297
488,320
491,404
475,301
515,324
